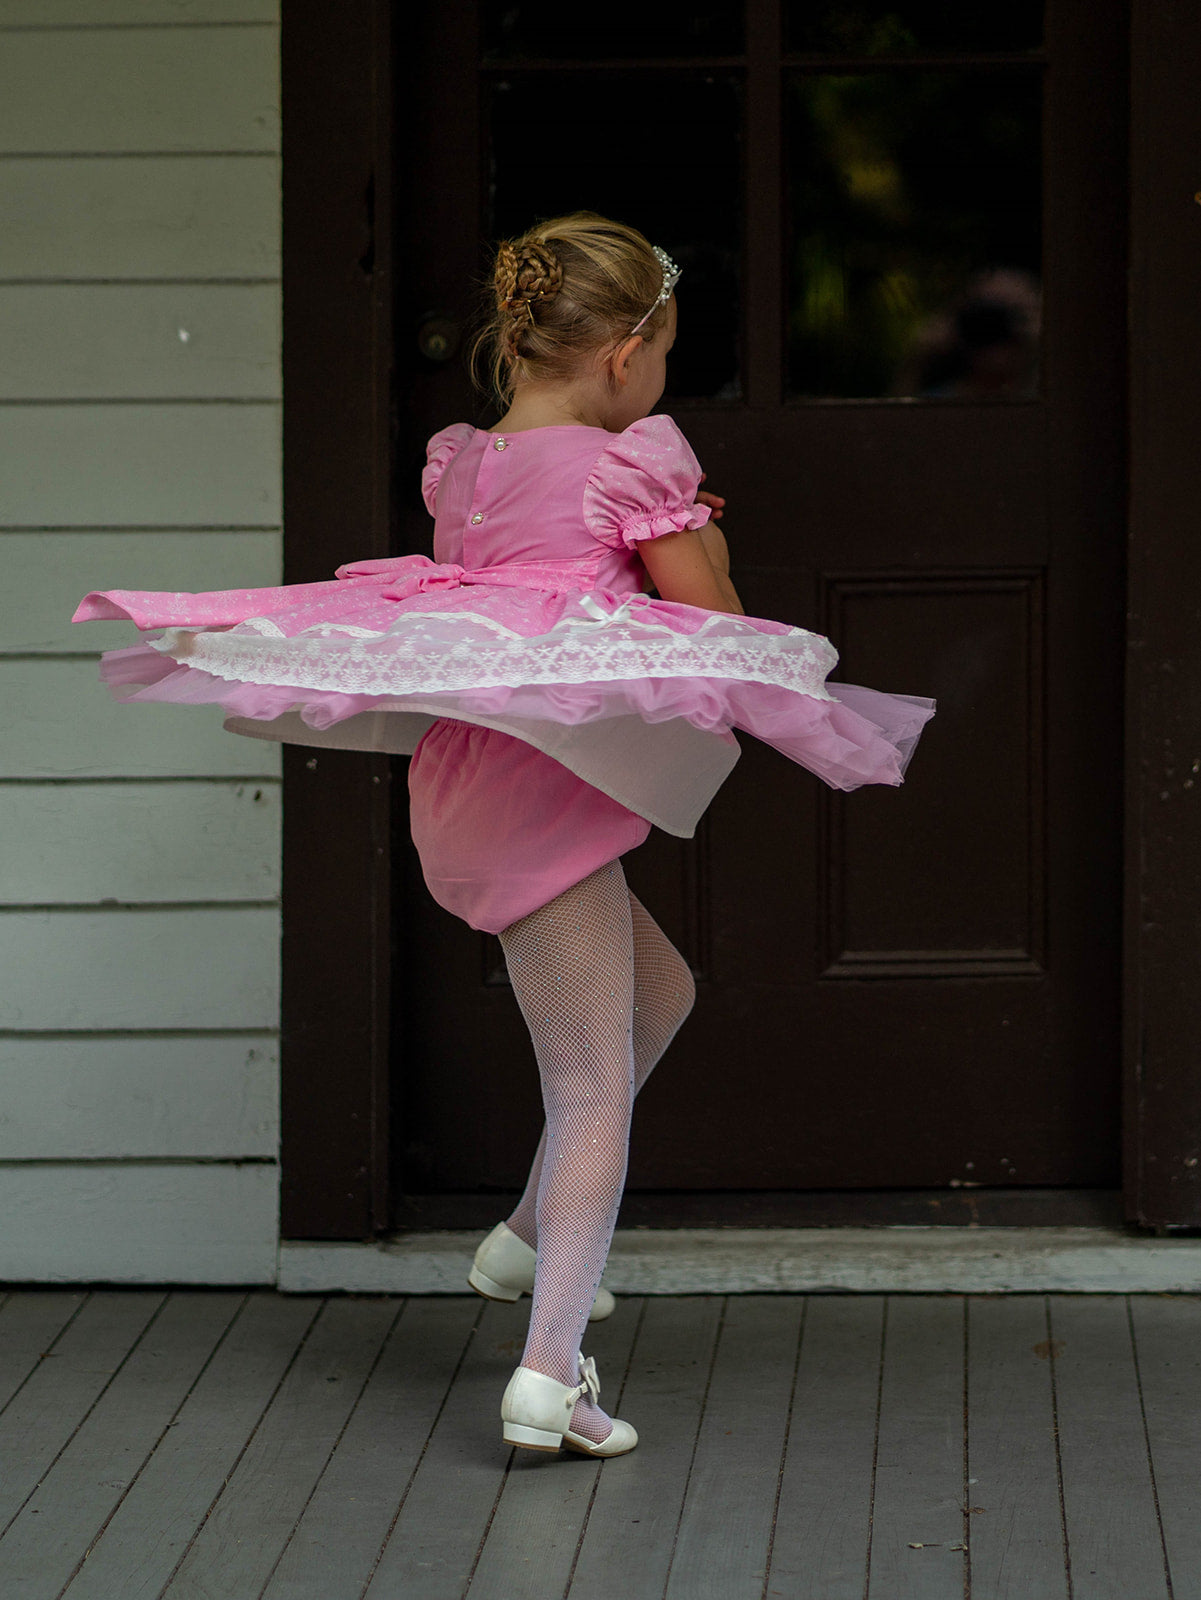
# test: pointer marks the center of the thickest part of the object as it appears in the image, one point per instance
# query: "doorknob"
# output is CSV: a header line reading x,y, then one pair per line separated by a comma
x,y
438,337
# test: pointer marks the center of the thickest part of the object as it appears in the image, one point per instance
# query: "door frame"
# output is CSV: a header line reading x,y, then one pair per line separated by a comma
x,y
340,410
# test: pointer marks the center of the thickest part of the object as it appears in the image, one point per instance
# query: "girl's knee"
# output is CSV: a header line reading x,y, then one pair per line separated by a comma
x,y
686,986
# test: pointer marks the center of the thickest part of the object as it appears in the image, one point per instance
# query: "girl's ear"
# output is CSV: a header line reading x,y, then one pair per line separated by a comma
x,y
619,361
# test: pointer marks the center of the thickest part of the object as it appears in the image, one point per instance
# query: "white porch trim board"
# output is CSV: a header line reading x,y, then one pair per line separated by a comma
x,y
216,1222
923,1260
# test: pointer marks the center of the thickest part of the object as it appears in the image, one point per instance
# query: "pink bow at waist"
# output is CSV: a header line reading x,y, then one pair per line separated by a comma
x,y
409,575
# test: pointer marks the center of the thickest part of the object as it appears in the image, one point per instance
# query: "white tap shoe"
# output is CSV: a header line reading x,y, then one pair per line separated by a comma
x,y
536,1412
504,1270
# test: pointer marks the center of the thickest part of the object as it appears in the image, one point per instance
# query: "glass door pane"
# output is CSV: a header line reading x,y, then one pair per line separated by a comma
x,y
670,165
851,27
521,30
914,252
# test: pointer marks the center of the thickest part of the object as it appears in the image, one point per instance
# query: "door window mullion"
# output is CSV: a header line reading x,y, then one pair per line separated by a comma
x,y
762,186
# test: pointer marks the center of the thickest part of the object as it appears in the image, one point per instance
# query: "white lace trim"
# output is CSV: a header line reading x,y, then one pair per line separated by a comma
x,y
263,626
436,652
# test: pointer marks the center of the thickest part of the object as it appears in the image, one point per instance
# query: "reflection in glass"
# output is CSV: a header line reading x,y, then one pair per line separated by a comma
x,y
515,30
915,233
672,171
860,28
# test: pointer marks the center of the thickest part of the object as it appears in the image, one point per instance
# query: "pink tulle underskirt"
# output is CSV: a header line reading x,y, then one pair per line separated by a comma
x,y
862,736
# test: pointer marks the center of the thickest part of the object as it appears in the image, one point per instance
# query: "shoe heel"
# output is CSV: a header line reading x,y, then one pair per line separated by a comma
x,y
532,1438
489,1288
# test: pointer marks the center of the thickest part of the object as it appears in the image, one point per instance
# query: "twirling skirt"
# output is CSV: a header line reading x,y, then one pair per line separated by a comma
x,y
636,696
550,726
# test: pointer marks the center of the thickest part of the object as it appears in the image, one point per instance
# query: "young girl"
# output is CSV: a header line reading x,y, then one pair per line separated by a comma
x,y
554,710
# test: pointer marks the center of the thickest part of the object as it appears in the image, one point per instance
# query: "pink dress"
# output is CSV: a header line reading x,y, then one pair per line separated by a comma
x,y
553,710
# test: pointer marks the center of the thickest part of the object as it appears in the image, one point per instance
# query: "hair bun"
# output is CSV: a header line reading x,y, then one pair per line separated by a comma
x,y
525,272
559,294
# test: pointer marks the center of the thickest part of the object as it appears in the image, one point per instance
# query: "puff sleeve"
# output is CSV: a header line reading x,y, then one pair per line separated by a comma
x,y
439,453
643,485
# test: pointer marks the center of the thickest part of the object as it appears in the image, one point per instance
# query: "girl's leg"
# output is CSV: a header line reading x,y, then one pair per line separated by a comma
x,y
664,992
571,964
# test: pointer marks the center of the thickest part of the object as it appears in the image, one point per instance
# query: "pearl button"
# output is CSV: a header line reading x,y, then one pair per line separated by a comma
x,y
501,443
479,517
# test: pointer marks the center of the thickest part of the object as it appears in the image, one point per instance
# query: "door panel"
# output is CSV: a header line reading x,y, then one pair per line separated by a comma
x,y
896,988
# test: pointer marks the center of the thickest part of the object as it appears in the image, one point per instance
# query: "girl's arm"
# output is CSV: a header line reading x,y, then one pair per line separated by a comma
x,y
718,551
682,569
715,548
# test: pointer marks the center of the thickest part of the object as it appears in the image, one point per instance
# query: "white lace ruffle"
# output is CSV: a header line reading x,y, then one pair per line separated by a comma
x,y
428,652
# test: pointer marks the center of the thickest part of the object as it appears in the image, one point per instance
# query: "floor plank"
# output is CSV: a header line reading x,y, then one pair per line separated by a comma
x,y
917,1513
1114,1547
535,1531
243,1536
628,1543
46,1542
1016,1535
346,1523
725,1530
30,1321
441,1527
1168,1341
157,1520
46,1411
823,1520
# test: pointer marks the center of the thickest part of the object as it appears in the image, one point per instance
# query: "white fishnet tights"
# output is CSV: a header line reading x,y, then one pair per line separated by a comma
x,y
603,992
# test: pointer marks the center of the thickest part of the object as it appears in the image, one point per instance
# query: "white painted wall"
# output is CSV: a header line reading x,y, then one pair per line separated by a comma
x,y
139,448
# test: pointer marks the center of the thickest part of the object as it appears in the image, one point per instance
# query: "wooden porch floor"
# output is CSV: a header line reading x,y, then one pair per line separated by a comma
x,y
257,1446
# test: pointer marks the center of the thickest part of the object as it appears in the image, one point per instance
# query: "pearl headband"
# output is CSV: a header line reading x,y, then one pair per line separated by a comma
x,y
671,276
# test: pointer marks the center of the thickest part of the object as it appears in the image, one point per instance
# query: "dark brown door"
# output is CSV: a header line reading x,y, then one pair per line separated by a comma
x,y
901,359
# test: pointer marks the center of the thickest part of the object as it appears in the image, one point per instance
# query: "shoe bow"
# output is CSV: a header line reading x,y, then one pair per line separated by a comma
x,y
591,1383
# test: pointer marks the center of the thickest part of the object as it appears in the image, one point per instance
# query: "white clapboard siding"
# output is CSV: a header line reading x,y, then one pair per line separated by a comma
x,y
133,90
121,13
71,341
140,418
187,967
114,466
132,1223
46,575
164,1095
133,217
57,720
138,843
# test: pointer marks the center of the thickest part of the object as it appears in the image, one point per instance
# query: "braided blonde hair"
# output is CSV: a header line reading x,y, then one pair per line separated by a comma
x,y
567,288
